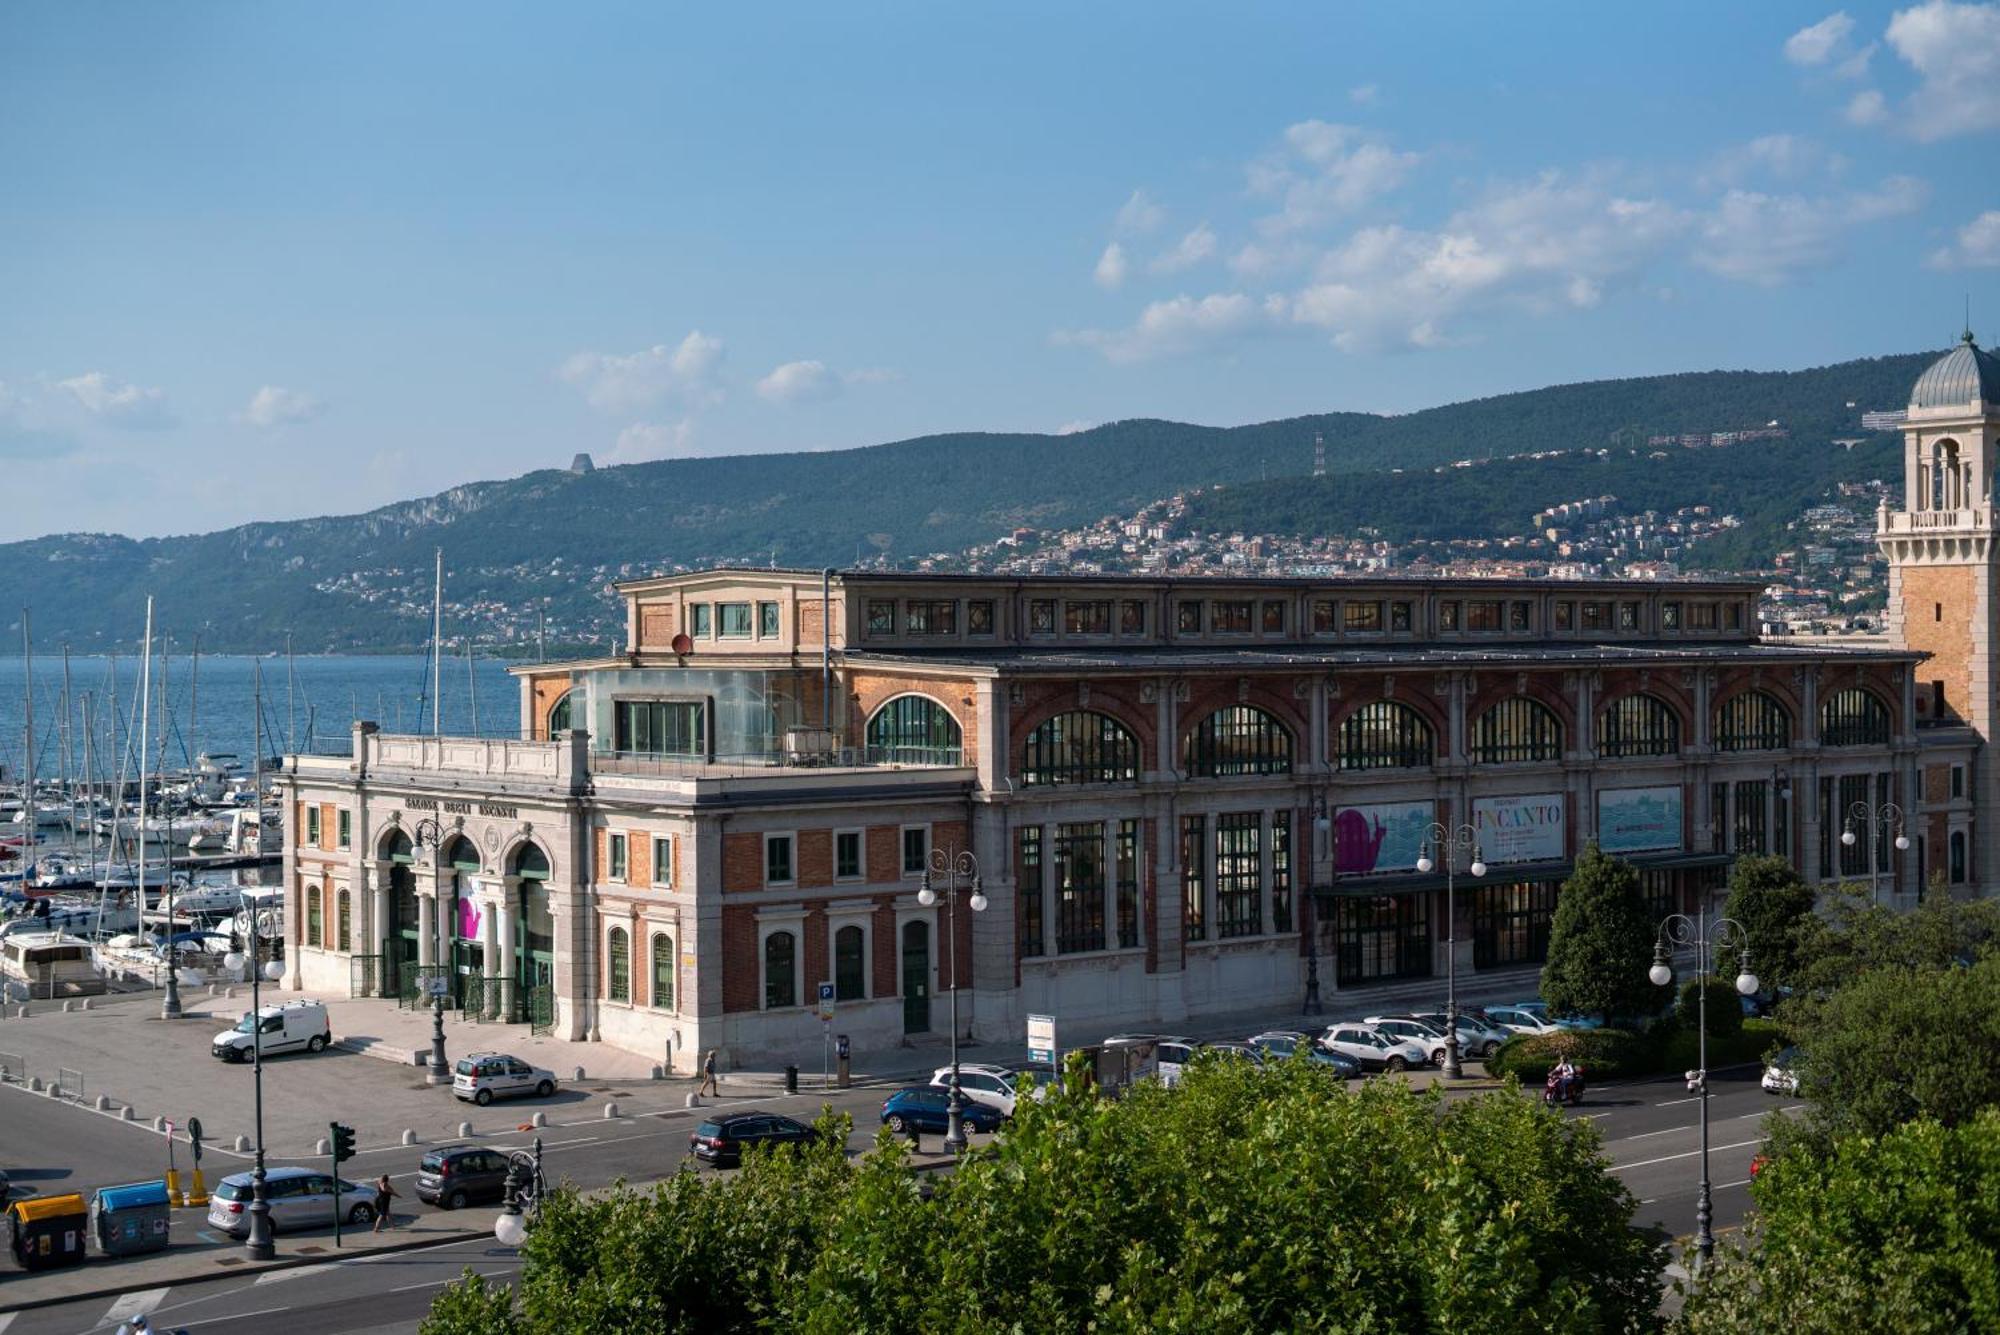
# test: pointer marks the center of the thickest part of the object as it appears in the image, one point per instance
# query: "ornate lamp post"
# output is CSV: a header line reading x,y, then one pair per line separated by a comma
x,y
427,835
1707,936
1451,844
954,869
1323,823
524,1187
257,1244
1874,821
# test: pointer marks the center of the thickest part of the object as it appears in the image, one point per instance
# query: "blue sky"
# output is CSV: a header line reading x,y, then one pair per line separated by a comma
x,y
266,261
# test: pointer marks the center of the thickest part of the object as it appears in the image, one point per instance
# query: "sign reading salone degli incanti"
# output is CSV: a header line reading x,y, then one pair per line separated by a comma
x,y
1523,828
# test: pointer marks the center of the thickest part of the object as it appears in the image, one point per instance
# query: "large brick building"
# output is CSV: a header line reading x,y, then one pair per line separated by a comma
x,y
1183,796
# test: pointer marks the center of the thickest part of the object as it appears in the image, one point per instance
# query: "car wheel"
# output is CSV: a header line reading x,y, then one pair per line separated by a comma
x,y
483,1097
1394,1064
546,1088
1490,1048
896,1123
455,1201
363,1213
1437,1058
317,1043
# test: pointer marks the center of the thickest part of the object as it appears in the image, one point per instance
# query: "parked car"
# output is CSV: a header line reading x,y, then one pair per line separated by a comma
x,y
298,1197
1170,1051
1517,1020
295,1026
1540,1009
927,1108
1375,1051
980,1082
1281,1044
1781,1075
1429,1037
1476,1037
1243,1051
461,1175
485,1076
720,1141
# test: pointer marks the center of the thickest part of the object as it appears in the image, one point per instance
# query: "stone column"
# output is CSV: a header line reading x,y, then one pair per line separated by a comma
x,y
1052,874
1110,856
379,872
507,934
426,929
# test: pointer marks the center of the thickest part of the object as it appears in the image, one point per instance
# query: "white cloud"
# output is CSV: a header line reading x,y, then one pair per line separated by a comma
x,y
1324,172
799,382
273,405
1074,428
1365,94
1768,239
1173,327
1112,267
1955,50
1977,245
1139,215
132,406
1819,43
23,433
611,382
1192,249
644,441
1867,107
1786,157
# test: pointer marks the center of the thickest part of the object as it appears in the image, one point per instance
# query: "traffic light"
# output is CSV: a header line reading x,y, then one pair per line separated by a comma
x,y
343,1141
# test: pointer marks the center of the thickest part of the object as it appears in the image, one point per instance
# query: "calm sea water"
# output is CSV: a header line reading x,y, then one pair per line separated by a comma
x,y
210,706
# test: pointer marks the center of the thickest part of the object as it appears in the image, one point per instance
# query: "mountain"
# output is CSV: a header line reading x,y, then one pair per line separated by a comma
x,y
554,540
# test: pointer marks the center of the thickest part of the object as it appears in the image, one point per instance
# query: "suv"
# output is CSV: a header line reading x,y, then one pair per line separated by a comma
x,y
1519,1020
720,1140
459,1175
1429,1037
486,1076
299,1198
1281,1044
293,1027
1476,1038
980,1082
1376,1051
928,1108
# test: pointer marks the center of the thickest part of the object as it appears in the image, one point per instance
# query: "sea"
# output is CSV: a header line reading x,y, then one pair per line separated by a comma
x,y
308,703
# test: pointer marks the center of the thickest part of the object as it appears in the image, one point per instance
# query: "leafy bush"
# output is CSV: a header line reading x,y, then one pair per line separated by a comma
x,y
1680,1049
1725,1012
1605,1054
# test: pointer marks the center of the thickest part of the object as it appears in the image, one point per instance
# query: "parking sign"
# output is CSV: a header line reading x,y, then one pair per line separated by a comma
x,y
1042,1038
826,1001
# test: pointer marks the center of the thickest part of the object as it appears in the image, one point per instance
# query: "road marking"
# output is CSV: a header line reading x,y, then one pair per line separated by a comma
x,y
1669,1158
243,1316
427,1284
298,1272
134,1304
1675,1103
1720,1186
6,1320
1642,1135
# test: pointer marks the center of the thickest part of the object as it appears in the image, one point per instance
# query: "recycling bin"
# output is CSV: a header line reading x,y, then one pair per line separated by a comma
x,y
48,1231
131,1219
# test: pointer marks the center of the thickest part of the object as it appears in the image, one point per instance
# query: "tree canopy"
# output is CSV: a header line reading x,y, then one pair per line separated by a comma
x,y
1601,943
1775,905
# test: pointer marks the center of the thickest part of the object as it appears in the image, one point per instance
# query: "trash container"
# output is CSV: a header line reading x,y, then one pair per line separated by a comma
x,y
131,1219
843,1072
48,1230
791,1079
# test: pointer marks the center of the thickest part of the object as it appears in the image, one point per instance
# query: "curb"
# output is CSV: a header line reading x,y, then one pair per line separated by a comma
x,y
251,1268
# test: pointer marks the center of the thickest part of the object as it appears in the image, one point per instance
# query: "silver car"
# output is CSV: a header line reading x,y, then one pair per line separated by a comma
x,y
486,1076
299,1198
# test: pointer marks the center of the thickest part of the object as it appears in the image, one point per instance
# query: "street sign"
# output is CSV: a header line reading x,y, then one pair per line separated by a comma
x,y
826,1002
437,985
1042,1038
194,1136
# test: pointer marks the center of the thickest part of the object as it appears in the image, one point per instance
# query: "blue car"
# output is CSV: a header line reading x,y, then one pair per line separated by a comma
x,y
926,1107
1280,1044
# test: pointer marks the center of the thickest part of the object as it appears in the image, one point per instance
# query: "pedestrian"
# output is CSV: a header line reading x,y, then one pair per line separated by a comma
x,y
709,1084
385,1194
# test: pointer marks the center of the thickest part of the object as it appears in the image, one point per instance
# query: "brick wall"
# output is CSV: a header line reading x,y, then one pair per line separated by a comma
x,y
869,691
888,950
742,861
1040,701
656,625
1938,607
543,694
815,858
740,965
817,968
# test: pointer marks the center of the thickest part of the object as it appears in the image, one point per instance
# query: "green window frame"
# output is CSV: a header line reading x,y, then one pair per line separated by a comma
x,y
618,856
733,621
660,727
850,964
663,971
780,867
618,964
781,988
767,621
343,828
699,620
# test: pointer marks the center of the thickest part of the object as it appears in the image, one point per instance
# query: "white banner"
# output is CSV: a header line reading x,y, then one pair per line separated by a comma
x,y
1520,829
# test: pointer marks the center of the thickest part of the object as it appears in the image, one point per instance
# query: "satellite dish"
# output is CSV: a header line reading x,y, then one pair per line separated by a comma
x,y
682,643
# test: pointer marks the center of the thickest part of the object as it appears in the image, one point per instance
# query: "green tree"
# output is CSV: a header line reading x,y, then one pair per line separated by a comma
x,y
1900,1232
1775,905
1725,1011
1601,942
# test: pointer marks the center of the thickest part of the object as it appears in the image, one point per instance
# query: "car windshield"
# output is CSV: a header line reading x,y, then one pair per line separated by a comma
x,y
233,1191
466,1066
247,1025
710,1129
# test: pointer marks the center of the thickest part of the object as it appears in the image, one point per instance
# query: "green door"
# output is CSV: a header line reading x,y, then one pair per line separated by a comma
x,y
399,969
916,978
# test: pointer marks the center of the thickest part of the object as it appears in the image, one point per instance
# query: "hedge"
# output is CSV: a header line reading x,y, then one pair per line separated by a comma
x,y
1611,1054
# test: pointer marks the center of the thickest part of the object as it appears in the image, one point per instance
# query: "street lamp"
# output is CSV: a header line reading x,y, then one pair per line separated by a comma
x,y
1707,936
524,1186
258,1244
954,868
1451,844
427,835
1323,823
1874,820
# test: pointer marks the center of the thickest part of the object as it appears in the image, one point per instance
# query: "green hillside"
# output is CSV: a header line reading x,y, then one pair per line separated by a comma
x,y
554,540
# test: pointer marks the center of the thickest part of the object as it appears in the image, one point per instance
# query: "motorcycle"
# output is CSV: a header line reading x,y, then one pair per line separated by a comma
x,y
1560,1089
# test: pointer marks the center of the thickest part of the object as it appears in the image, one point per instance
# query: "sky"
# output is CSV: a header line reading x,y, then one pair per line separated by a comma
x,y
265,261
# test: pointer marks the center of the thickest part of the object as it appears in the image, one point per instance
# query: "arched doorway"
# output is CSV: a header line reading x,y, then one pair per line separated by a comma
x,y
916,977
464,951
532,952
400,933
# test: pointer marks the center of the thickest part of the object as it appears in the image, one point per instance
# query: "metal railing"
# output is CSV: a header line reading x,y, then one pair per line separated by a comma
x,y
13,1068
541,1010
69,1084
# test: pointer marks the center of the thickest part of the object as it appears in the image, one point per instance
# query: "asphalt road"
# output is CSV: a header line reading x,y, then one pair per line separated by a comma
x,y
1649,1130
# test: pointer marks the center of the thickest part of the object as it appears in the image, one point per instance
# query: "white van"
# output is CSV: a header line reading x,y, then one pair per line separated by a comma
x,y
292,1027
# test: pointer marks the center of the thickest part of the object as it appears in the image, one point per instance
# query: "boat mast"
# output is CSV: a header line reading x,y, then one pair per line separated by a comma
x,y
291,677
145,707
257,763
69,795
437,648
471,686
28,814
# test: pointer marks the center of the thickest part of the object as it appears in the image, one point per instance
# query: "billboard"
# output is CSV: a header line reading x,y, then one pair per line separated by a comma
x,y
1520,829
1384,837
1639,820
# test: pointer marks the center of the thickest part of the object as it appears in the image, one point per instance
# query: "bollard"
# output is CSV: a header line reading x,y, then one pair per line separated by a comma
x,y
610,1111
693,1099
578,1077
34,1084
86,1003
68,1006
125,1114
54,1090
231,994
658,1074
539,1120
20,1012
173,1186
241,1144
160,1124
409,1136
102,1103
320,1147
197,1193
464,1129
791,1079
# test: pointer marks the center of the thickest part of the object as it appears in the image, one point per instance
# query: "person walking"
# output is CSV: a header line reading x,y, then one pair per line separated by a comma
x,y
709,1084
385,1195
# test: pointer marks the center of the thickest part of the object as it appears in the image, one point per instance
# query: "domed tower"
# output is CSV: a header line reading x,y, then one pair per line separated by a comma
x,y
1943,549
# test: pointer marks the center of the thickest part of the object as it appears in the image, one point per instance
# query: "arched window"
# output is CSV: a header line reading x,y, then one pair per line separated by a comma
x,y
850,965
1752,721
1947,485
618,964
1080,747
914,730
1386,735
559,715
1239,739
315,926
343,922
1514,730
1853,717
1638,725
396,848
780,988
531,863
663,971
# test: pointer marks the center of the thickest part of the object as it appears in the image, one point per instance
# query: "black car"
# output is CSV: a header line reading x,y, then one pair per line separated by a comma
x,y
461,1175
720,1140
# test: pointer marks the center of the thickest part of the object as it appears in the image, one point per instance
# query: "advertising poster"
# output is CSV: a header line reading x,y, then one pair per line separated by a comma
x,y
1520,829
1639,820
1385,837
